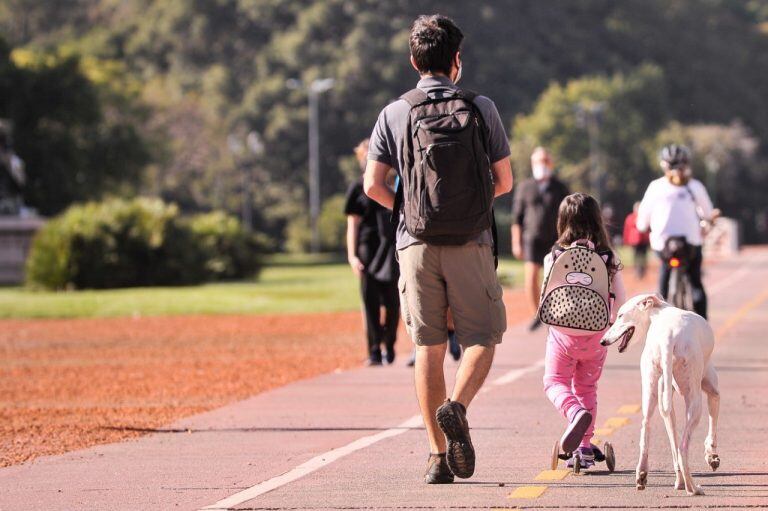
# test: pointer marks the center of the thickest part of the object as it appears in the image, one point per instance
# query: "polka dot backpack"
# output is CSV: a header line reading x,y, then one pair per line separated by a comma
x,y
576,298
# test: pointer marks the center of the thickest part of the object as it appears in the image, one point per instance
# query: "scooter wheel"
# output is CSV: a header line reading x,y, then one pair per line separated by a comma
x,y
576,463
555,455
610,457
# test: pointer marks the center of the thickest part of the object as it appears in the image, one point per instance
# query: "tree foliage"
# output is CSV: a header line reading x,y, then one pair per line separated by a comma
x,y
210,67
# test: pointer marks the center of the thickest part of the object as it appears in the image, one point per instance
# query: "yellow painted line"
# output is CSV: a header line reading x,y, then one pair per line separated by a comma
x,y
616,422
552,475
737,316
604,431
527,492
629,409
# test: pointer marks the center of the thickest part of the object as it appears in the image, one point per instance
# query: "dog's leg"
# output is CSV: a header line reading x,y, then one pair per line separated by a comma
x,y
667,411
649,378
692,396
710,385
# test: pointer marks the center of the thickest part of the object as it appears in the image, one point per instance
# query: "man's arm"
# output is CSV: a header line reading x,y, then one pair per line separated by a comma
x,y
643,222
353,231
502,177
375,184
518,214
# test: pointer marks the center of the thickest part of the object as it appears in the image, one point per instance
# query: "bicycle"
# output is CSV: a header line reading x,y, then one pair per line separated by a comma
x,y
677,256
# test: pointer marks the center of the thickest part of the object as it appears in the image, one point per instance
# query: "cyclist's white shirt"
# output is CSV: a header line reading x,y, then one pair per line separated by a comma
x,y
670,210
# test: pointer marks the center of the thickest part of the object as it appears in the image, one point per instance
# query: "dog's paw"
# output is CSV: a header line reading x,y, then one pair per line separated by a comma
x,y
642,480
713,460
696,491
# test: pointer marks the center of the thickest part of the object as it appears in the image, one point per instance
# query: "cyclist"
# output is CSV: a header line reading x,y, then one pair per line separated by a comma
x,y
677,205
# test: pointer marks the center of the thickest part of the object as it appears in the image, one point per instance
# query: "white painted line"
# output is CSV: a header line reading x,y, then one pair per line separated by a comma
x,y
329,457
312,465
726,282
516,374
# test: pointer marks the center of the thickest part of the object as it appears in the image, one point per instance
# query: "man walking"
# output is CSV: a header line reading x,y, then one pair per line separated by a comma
x,y
534,223
371,255
449,147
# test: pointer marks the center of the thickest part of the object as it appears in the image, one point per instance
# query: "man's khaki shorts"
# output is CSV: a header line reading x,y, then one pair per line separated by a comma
x,y
433,278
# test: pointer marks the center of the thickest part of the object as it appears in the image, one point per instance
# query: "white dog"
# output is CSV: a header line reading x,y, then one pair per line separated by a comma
x,y
676,356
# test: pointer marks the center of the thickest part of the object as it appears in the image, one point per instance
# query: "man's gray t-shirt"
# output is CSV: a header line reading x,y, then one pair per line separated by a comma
x,y
386,145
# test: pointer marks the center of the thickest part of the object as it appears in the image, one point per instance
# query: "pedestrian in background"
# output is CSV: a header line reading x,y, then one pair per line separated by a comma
x,y
639,241
371,254
534,223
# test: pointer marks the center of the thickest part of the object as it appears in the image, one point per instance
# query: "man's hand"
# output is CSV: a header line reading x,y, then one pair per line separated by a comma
x,y
517,242
357,267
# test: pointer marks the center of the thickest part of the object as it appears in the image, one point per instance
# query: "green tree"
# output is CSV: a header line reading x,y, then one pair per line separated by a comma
x,y
633,108
72,149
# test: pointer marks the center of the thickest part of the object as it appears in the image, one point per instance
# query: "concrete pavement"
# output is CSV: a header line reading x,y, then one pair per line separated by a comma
x,y
352,440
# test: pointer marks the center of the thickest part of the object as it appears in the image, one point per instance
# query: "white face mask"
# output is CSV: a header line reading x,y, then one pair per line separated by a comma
x,y
458,73
541,171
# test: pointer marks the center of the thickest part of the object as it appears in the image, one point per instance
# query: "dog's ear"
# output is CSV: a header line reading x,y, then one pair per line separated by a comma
x,y
651,301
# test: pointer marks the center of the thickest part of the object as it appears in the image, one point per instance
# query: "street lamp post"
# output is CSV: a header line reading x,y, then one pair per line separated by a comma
x,y
255,146
590,116
315,89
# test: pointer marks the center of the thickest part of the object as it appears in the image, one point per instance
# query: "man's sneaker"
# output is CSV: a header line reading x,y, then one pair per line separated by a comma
x,y
452,419
437,470
575,431
453,345
587,457
535,324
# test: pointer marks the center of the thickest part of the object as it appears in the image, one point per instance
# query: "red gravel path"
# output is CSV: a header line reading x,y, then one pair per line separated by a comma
x,y
72,383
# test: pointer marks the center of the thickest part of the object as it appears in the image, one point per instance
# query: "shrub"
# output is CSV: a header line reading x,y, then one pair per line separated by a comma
x,y
332,224
229,251
298,235
140,242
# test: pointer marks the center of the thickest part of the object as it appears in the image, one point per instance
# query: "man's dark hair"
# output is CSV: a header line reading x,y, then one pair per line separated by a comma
x,y
434,41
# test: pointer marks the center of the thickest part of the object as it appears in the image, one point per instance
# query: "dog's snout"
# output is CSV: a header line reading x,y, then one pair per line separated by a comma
x,y
604,342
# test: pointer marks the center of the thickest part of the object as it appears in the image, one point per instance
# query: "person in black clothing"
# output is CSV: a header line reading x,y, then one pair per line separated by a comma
x,y
371,254
534,222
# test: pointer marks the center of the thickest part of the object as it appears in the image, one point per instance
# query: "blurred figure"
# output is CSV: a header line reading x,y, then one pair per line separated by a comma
x,y
611,225
371,254
12,176
534,223
639,241
675,206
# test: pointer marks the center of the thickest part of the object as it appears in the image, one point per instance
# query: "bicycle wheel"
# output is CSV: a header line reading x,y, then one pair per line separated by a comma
x,y
676,290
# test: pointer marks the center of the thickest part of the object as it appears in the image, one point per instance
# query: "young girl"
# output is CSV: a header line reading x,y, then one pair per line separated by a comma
x,y
573,363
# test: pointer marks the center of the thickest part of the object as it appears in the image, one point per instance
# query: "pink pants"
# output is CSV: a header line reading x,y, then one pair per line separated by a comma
x,y
572,367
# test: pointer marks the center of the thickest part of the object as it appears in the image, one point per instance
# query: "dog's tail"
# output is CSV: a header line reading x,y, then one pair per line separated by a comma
x,y
667,391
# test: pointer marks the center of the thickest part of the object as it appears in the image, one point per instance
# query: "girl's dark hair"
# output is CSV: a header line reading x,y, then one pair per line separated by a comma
x,y
580,218
434,41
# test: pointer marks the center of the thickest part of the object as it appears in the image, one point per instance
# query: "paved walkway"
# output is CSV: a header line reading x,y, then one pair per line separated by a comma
x,y
353,440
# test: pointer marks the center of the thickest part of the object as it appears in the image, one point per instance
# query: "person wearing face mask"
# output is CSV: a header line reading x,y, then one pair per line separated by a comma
x,y
534,223
676,205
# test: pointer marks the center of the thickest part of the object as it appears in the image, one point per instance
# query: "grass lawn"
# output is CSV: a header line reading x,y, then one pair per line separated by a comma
x,y
287,284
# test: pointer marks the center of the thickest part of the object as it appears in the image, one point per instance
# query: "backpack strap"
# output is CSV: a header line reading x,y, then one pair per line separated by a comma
x,y
467,94
415,97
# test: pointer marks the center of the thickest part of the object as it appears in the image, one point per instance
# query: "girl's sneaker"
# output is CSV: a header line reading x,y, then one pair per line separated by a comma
x,y
575,431
587,456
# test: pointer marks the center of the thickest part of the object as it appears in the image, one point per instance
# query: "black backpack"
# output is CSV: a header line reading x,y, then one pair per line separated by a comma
x,y
447,186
